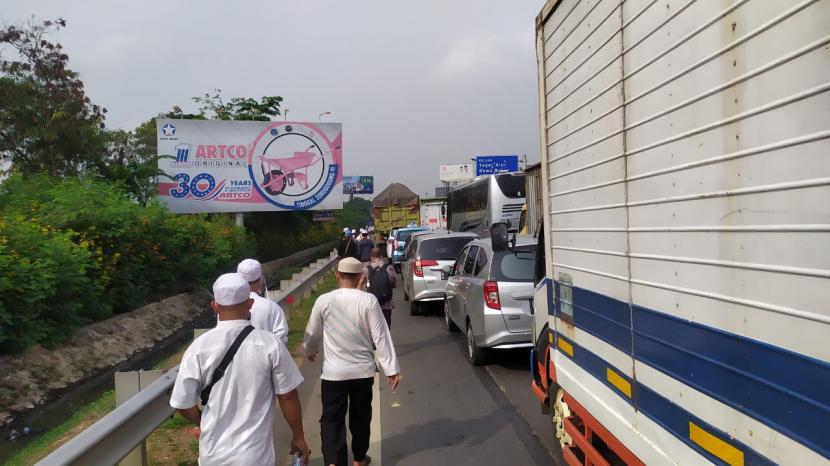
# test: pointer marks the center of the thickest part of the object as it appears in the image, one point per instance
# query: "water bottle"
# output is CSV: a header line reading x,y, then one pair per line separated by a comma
x,y
298,459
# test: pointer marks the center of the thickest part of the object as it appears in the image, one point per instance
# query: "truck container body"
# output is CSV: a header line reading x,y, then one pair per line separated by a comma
x,y
433,213
682,310
389,217
395,206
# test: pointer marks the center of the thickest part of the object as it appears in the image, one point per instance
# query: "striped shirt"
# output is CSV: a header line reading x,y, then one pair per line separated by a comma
x,y
348,321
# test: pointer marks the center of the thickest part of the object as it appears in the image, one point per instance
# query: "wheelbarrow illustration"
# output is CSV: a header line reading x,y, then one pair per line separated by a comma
x,y
287,170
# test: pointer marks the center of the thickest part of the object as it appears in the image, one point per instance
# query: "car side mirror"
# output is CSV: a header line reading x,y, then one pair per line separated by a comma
x,y
446,272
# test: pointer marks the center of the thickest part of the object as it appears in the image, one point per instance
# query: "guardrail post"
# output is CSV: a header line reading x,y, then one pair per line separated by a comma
x,y
128,384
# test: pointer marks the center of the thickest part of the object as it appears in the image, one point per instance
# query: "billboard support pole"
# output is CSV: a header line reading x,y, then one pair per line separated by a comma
x,y
240,222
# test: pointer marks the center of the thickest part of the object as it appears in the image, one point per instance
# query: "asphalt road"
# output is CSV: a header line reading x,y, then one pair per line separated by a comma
x,y
445,411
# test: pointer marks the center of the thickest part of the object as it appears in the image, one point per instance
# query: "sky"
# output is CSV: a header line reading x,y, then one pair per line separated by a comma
x,y
415,84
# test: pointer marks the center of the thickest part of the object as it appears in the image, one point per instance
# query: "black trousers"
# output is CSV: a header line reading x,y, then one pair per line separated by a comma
x,y
354,396
387,314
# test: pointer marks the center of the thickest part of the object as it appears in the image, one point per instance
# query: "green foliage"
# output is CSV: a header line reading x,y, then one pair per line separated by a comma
x,y
75,251
279,234
238,108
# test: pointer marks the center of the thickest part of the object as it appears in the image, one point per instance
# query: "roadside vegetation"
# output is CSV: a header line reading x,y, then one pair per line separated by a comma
x,y
175,442
81,234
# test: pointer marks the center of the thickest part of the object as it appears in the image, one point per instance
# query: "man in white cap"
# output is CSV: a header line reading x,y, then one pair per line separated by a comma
x,y
348,321
348,245
238,402
265,314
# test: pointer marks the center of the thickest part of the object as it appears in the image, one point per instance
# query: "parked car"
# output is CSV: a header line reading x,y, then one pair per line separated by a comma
x,y
399,242
489,296
424,257
390,239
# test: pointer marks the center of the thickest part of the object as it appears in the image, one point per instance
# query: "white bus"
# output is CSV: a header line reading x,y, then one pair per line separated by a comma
x,y
487,200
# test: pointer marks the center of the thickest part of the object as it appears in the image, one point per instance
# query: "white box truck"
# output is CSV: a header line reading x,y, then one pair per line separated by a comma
x,y
682,310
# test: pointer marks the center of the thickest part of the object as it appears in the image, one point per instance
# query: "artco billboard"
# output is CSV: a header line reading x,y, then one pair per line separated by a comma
x,y
244,166
358,184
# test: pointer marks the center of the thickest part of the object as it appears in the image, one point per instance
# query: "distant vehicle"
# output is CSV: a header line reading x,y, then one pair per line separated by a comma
x,y
399,242
489,294
434,213
682,309
485,201
425,256
395,206
390,240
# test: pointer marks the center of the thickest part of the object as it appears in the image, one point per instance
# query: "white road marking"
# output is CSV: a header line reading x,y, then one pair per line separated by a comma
x,y
375,435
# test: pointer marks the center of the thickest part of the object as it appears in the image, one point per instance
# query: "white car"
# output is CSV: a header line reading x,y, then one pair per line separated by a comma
x,y
426,254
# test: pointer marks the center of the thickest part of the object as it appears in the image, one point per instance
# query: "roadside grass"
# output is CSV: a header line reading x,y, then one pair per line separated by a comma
x,y
174,442
299,312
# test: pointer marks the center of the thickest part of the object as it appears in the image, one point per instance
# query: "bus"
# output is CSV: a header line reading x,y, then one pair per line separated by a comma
x,y
487,200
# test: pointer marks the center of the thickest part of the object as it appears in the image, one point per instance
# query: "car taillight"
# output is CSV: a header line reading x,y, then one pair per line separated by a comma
x,y
418,266
491,294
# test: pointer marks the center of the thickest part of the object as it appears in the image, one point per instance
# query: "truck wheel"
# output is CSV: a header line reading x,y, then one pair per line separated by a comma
x,y
475,354
414,308
559,412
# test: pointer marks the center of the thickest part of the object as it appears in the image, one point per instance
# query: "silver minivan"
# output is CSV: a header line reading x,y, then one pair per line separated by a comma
x,y
489,296
425,256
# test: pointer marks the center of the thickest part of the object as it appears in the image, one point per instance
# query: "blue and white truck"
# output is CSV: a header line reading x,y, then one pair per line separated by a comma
x,y
682,309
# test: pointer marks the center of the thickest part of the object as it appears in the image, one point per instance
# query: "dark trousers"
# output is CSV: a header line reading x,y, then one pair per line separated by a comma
x,y
387,314
338,397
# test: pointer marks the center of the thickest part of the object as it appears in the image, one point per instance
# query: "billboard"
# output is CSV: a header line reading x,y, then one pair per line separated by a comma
x,y
491,164
460,172
358,184
247,166
323,216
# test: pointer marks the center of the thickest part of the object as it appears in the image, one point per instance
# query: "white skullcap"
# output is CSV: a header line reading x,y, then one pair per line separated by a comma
x,y
350,265
250,269
346,230
231,289
363,231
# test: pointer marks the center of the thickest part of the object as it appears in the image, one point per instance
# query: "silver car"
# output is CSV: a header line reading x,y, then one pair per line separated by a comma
x,y
488,296
425,256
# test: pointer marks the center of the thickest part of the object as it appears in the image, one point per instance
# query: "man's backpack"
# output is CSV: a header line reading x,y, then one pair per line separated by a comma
x,y
380,284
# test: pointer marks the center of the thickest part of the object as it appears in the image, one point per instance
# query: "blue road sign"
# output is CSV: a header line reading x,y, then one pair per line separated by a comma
x,y
490,164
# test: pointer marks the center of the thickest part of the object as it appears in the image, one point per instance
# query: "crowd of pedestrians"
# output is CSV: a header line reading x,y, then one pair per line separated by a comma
x,y
233,376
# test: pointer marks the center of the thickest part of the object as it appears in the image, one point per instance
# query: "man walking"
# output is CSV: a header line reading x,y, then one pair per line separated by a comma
x,y
379,278
349,321
364,246
238,400
265,314
348,245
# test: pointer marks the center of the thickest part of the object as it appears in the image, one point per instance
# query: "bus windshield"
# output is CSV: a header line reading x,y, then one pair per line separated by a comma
x,y
513,186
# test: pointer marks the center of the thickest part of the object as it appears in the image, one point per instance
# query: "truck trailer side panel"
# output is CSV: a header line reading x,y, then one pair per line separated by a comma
x,y
685,145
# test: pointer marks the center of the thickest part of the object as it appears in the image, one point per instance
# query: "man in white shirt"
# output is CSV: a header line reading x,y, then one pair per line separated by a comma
x,y
349,321
236,424
265,314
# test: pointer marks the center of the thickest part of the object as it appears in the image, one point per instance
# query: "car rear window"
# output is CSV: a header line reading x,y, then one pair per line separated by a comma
x,y
514,266
442,248
404,235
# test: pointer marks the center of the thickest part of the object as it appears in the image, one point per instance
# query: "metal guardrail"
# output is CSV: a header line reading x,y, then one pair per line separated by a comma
x,y
115,435
119,432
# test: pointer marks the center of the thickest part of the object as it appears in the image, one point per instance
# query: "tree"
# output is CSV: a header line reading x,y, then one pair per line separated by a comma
x,y
47,122
238,108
